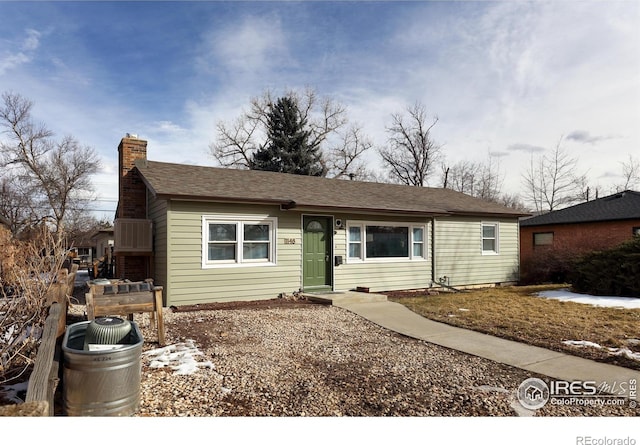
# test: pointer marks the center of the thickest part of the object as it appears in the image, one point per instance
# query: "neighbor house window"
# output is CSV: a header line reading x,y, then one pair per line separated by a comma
x,y
636,231
543,239
489,238
386,241
238,241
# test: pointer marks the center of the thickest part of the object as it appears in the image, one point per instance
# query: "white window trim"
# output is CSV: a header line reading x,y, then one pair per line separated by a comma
x,y
363,242
497,238
239,220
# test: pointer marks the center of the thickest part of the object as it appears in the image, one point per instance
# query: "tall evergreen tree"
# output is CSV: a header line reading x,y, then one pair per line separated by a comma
x,y
288,149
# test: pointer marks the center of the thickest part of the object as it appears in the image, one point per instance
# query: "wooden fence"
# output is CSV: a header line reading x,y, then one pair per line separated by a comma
x,y
44,378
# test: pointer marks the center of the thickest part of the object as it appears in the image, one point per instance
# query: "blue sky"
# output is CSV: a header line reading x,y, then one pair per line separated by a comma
x,y
509,78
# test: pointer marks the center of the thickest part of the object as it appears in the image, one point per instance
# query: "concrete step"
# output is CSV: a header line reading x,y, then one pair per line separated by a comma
x,y
340,298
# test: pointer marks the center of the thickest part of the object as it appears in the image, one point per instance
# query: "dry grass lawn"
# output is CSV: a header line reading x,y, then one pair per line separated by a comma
x,y
513,313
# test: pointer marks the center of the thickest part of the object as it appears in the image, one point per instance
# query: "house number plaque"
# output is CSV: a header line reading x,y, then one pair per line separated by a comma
x,y
289,240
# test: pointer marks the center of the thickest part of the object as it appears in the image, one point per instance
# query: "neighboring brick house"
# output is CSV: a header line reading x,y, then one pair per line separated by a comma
x,y
593,225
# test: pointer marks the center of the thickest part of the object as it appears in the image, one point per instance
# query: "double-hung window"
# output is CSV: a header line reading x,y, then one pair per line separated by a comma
x,y
384,241
245,240
490,238
355,242
418,242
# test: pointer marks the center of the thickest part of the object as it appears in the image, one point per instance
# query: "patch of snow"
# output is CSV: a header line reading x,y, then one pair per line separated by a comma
x,y
180,357
582,343
566,295
12,336
625,352
8,335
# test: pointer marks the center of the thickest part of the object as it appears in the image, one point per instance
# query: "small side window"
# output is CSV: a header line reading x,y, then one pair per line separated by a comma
x,y
489,238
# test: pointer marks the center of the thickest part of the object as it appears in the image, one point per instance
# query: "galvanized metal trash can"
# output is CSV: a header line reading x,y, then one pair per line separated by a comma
x,y
101,381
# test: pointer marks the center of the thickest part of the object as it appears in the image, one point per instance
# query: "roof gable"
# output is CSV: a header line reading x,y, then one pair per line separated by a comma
x,y
189,182
619,206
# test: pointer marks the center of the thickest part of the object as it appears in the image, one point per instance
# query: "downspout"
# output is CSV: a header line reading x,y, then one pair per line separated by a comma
x,y
433,251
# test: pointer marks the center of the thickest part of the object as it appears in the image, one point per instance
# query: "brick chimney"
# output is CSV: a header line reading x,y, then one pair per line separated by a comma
x,y
132,204
132,195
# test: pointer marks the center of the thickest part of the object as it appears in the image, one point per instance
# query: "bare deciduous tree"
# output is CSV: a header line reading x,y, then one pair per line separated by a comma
x,y
326,120
482,180
513,201
16,203
345,157
411,154
630,175
461,176
56,174
552,180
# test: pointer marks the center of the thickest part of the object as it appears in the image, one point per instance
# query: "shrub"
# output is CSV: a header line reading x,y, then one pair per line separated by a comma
x,y
548,266
614,271
27,272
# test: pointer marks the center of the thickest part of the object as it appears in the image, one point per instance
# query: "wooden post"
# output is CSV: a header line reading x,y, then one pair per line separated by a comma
x,y
157,291
44,377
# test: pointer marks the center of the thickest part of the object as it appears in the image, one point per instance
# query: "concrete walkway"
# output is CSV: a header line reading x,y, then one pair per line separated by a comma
x,y
398,318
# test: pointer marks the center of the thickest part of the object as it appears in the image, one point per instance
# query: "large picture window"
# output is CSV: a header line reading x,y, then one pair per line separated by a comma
x,y
383,241
387,242
231,241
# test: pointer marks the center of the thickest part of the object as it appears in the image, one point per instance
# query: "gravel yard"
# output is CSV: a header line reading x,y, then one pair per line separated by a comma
x,y
316,360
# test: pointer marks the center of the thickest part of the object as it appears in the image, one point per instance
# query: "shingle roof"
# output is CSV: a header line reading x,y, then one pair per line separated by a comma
x,y
619,206
189,182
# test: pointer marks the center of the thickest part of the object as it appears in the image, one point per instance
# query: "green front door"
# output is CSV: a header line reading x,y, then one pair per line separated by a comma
x,y
316,249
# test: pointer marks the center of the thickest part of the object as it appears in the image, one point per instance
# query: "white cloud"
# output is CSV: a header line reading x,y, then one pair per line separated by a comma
x,y
519,75
169,127
11,61
32,41
13,58
252,45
